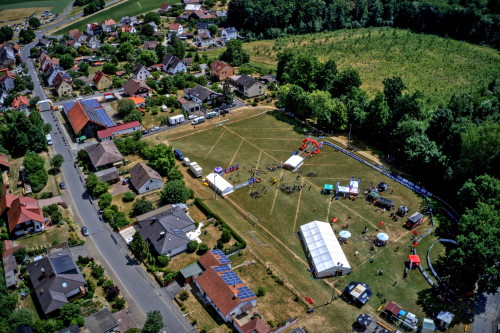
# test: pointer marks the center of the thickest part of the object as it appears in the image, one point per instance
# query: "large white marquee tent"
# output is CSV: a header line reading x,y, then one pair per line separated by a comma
x,y
219,184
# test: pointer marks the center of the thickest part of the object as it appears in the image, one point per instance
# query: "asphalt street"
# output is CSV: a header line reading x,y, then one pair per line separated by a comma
x,y
486,311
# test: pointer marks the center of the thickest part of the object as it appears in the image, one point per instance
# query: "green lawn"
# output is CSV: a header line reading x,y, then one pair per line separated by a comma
x,y
129,8
437,66
57,5
263,139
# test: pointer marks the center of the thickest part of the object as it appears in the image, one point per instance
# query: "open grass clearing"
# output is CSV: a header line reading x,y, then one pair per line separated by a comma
x,y
54,235
263,139
436,66
57,6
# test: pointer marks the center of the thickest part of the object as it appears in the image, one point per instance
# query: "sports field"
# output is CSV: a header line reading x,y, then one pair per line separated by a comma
x,y
436,66
265,139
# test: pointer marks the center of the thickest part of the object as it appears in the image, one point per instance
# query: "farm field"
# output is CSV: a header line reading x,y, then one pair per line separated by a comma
x,y
436,66
56,6
129,8
269,223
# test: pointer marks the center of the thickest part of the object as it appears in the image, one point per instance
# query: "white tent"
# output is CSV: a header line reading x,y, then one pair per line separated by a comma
x,y
294,162
324,249
219,184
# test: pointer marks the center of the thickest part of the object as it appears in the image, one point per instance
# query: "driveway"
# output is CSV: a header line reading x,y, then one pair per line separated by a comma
x,y
119,188
50,201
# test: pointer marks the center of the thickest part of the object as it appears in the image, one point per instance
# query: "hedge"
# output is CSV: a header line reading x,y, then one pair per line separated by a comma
x,y
241,243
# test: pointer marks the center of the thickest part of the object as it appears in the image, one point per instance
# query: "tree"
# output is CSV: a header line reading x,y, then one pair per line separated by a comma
x,y
178,47
105,200
46,325
175,191
346,82
483,189
57,161
192,246
100,188
36,175
213,29
327,78
109,68
296,100
125,49
139,247
234,53
34,22
6,34
304,71
97,271
478,249
26,36
154,322
147,58
118,82
203,248
227,93
141,206
125,107
147,30
69,312
261,291
163,259
21,317
129,196
225,236
152,17
66,61
393,89
19,254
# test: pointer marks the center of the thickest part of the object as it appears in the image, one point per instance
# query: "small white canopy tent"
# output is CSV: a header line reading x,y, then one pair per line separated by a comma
x,y
324,249
219,184
294,162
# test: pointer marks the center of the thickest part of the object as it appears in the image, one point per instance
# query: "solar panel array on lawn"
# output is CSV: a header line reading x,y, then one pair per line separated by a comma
x,y
230,278
245,293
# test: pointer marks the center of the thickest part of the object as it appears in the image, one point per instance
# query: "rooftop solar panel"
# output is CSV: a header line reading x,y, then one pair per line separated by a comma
x,y
230,278
104,117
222,268
68,105
63,265
176,231
244,293
93,103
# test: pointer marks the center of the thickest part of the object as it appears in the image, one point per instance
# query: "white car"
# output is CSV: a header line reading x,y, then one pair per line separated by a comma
x,y
156,128
191,117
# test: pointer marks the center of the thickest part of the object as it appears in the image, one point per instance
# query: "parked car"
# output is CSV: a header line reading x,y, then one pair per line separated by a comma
x,y
62,186
223,111
126,180
145,132
191,117
156,128
85,231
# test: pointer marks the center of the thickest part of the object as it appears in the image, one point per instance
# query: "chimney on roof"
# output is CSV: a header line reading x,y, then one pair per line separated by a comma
x,y
234,296
162,234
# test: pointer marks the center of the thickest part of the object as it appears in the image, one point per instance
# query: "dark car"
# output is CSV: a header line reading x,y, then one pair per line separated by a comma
x,y
126,180
85,231
145,132
223,111
62,186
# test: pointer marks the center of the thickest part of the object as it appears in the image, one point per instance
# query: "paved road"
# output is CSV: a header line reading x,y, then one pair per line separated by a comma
x,y
141,291
487,315
25,53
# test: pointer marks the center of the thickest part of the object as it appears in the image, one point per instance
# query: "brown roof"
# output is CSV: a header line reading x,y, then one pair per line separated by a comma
x,y
20,210
77,117
211,258
4,160
141,173
150,45
98,76
255,326
103,153
132,86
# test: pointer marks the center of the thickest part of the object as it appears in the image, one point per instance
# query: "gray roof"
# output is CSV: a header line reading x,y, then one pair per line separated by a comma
x,y
108,175
103,153
52,277
191,270
246,81
201,92
203,25
231,30
137,68
71,329
170,61
141,173
165,228
415,217
101,321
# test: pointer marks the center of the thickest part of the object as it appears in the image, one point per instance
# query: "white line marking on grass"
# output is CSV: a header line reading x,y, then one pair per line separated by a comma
x,y
276,192
235,153
216,142
298,205
256,167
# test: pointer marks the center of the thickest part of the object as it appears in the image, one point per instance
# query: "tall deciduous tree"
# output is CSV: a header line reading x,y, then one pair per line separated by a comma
x,y
234,53
482,189
139,247
175,191
154,322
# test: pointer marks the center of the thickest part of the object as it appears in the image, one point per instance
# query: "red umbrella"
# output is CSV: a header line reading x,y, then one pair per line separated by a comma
x,y
335,220
309,300
381,224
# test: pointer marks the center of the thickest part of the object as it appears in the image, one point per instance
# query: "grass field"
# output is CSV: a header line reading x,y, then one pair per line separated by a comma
x,y
437,66
129,8
275,217
57,6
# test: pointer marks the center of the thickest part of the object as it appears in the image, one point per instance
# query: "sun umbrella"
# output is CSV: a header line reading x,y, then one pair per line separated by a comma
x,y
383,237
364,320
345,234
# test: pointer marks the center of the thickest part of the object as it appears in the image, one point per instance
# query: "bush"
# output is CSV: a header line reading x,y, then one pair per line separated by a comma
x,y
105,200
119,303
163,260
128,196
261,291
226,236
97,271
203,248
183,295
192,246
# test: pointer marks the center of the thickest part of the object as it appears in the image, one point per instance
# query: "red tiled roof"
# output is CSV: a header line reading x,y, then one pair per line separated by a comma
x,y
20,100
21,209
98,76
137,100
77,117
109,22
9,248
255,326
6,202
174,26
106,133
165,6
209,259
4,160
7,74
181,100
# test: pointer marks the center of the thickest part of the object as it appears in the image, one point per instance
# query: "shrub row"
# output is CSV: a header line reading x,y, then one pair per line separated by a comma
x,y
241,243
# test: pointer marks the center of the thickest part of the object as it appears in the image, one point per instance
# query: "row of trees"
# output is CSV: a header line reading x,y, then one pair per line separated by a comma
x,y
93,7
474,21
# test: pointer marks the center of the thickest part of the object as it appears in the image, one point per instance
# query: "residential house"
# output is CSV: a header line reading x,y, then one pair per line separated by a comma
x,y
126,20
229,34
102,81
247,85
63,84
201,94
87,117
144,178
101,322
192,7
23,214
221,13
104,155
220,70
189,106
134,87
109,25
139,101
51,71
91,41
129,28
188,62
155,27
93,29
183,17
165,228
140,72
44,43
193,2
56,280
204,39
112,132
7,81
172,64
255,325
7,57
74,34
109,175
221,287
165,8
203,26
73,43
202,15
150,45
21,103
175,28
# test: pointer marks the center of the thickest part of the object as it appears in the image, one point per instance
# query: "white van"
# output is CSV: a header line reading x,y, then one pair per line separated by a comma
x,y
49,139
198,120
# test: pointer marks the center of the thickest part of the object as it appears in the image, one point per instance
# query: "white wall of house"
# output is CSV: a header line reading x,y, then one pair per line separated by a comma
x,y
255,90
142,75
37,227
179,68
151,185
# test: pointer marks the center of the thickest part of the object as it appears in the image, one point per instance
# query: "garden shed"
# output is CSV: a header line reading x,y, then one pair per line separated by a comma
x,y
219,184
324,250
414,220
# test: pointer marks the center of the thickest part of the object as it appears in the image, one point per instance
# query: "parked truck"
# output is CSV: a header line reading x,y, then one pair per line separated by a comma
x,y
196,169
